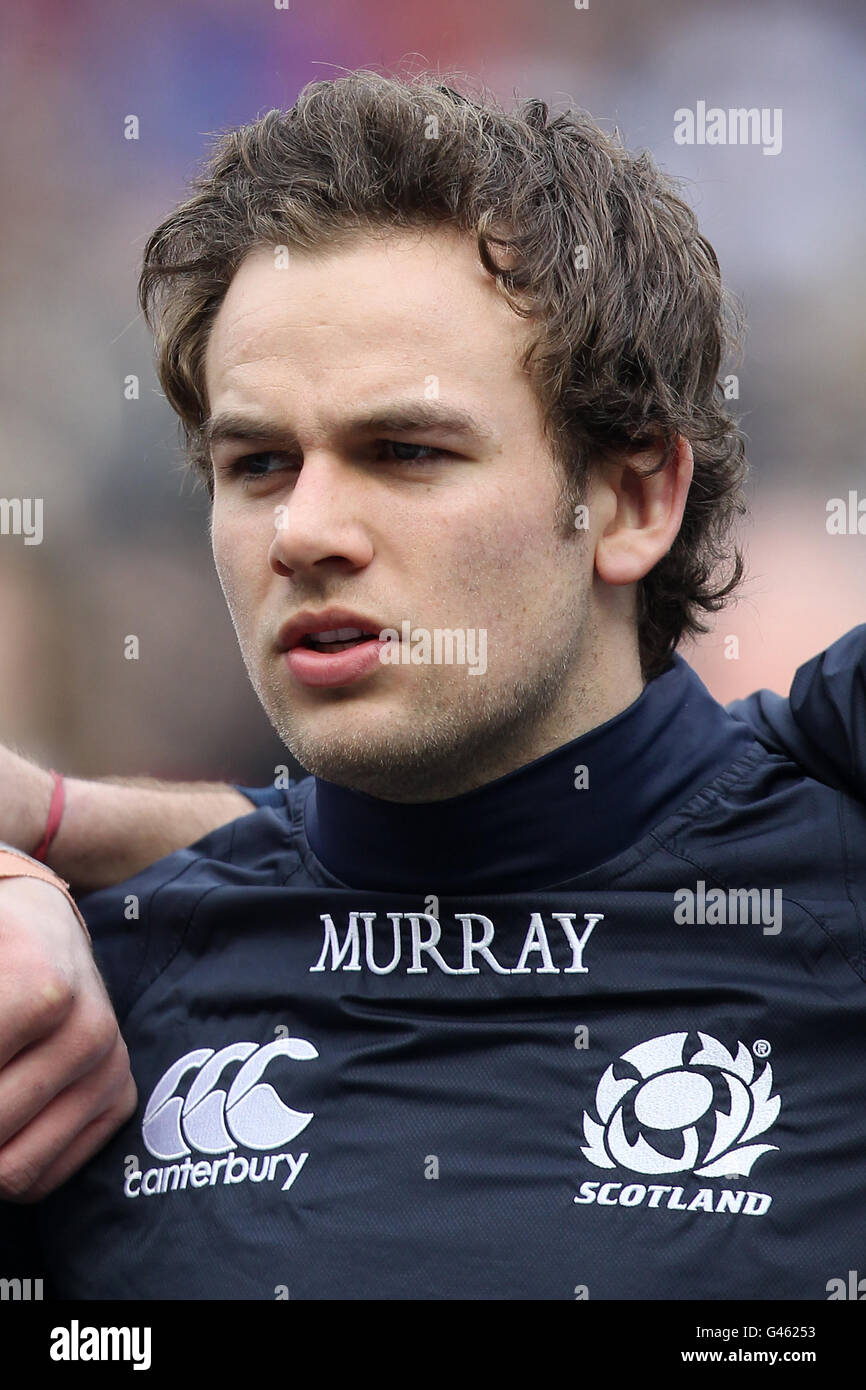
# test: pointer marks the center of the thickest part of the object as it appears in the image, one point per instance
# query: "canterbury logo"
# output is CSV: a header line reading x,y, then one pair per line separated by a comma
x,y
213,1120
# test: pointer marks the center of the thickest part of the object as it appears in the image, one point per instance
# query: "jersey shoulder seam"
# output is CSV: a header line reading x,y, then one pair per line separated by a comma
x,y
712,876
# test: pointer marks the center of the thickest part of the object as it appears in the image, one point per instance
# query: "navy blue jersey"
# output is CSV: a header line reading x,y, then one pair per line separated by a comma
x,y
593,1029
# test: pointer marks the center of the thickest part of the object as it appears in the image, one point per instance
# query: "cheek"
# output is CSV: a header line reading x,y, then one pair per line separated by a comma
x,y
511,572
221,551
482,572
233,551
492,552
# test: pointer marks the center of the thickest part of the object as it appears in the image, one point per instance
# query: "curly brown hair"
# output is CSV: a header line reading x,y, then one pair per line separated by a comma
x,y
589,242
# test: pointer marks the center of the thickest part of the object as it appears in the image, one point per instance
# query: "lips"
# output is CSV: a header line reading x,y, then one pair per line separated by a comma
x,y
316,662
333,624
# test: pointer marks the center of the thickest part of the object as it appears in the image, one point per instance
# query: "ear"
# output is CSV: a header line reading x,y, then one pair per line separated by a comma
x,y
644,510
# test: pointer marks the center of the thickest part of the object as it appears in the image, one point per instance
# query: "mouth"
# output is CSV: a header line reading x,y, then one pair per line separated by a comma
x,y
336,647
331,630
336,640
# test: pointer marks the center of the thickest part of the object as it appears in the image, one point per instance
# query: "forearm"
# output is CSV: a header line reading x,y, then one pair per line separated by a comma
x,y
111,827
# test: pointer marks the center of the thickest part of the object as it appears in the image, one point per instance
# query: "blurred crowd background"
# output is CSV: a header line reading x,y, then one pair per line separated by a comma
x,y
125,547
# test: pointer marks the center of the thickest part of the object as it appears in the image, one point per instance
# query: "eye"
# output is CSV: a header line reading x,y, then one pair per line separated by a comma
x,y
256,465
430,452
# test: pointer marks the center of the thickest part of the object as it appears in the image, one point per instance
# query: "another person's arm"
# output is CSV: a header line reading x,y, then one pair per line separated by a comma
x,y
821,724
65,1080
110,829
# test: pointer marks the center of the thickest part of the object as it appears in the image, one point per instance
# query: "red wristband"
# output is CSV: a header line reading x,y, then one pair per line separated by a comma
x,y
55,815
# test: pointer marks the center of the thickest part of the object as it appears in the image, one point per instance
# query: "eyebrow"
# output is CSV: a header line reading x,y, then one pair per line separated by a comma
x,y
397,418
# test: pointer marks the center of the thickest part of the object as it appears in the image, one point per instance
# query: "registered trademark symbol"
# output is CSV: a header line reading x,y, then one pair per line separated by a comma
x,y
761,1048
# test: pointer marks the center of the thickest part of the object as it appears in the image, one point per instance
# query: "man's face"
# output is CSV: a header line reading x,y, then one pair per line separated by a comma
x,y
440,528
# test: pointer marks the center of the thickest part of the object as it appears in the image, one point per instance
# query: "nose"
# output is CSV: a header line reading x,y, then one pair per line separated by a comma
x,y
321,519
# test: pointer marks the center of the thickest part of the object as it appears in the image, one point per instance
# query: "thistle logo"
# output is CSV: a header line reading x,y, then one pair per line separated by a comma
x,y
677,1101
670,1095
213,1120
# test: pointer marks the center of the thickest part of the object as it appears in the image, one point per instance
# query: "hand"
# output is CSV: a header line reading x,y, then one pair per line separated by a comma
x,y
65,1082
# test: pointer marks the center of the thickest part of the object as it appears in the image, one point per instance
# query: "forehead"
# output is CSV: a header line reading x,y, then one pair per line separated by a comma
x,y
398,308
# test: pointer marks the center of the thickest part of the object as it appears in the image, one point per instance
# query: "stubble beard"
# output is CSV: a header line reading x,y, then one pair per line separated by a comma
x,y
455,736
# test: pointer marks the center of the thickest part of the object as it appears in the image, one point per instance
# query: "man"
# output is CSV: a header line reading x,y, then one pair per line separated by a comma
x,y
551,961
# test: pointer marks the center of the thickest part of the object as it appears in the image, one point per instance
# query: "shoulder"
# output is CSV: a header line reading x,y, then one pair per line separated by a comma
x,y
767,825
